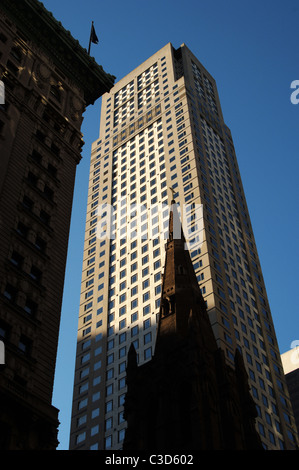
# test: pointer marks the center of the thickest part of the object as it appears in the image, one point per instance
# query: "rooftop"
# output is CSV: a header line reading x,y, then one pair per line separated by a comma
x,y
40,26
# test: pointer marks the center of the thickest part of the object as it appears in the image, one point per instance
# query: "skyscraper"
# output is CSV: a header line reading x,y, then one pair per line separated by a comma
x,y
162,133
48,79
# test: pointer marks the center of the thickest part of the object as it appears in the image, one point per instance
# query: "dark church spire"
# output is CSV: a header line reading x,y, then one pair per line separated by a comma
x,y
181,297
187,397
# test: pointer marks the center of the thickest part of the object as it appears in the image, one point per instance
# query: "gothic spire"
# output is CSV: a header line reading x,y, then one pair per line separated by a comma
x,y
181,294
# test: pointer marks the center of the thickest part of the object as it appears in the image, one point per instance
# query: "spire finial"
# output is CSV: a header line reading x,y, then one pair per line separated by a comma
x,y
172,192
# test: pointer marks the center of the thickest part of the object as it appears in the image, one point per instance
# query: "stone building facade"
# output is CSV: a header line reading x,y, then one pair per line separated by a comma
x,y
48,79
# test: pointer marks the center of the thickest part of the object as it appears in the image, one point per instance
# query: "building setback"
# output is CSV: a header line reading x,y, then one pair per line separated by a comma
x,y
48,81
162,127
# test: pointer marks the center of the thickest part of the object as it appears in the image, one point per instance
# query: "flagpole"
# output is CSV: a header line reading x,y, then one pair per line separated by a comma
x,y
90,39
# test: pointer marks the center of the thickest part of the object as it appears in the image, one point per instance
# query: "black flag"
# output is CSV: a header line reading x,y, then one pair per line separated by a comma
x,y
93,37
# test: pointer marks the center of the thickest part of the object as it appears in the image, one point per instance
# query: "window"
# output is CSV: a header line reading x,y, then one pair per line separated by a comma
x,y
17,259
122,338
109,406
27,203
146,309
134,317
147,353
157,264
10,292
80,437
30,307
44,217
35,274
134,290
24,345
121,383
4,330
84,373
81,420
87,306
108,442
86,331
147,338
122,352
108,424
48,192
261,429
122,310
40,244
121,418
123,273
145,272
94,430
122,285
121,399
121,435
145,259
134,330
85,358
158,289
83,388
22,230
52,170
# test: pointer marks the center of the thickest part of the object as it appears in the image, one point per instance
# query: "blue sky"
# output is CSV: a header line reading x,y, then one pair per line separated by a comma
x,y
251,49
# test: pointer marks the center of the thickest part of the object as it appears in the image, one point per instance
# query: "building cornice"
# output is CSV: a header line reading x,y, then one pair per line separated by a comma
x,y
40,26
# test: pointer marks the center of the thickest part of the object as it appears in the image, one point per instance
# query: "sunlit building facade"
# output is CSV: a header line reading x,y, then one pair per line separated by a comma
x,y
162,136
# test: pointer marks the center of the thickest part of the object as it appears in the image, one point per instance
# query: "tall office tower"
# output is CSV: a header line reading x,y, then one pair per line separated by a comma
x,y
49,80
161,128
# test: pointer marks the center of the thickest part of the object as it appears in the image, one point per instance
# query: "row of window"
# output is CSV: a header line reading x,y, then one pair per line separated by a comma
x,y
209,149
124,98
204,88
219,163
14,66
117,318
27,266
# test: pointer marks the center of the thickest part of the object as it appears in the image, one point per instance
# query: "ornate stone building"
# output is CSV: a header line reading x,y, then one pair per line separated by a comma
x,y
49,79
187,397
